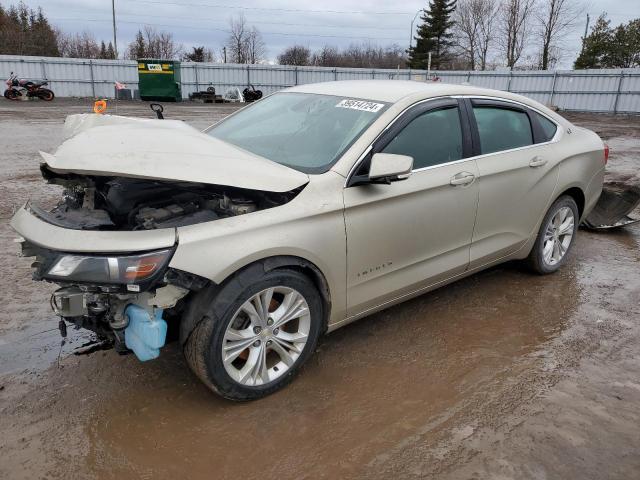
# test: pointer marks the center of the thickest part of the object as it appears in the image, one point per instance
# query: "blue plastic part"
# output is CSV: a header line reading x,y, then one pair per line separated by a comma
x,y
145,334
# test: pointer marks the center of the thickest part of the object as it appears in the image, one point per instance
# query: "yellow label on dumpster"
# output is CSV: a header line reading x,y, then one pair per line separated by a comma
x,y
155,68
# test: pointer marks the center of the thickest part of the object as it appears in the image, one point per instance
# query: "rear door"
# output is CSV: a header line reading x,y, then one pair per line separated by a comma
x,y
414,232
517,175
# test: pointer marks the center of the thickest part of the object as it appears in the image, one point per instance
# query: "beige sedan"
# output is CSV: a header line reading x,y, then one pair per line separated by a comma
x,y
305,211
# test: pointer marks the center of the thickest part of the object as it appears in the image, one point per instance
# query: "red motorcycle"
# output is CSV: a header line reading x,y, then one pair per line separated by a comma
x,y
16,89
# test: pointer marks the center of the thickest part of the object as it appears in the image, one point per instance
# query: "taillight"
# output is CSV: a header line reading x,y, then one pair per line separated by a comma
x,y
606,153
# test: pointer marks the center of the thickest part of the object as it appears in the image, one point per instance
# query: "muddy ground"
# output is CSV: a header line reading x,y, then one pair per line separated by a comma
x,y
502,375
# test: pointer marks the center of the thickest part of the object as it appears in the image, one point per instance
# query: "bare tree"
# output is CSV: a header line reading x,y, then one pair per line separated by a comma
x,y
327,56
244,44
161,44
165,46
515,28
296,55
556,20
473,30
486,31
363,55
465,30
150,43
238,32
255,46
79,45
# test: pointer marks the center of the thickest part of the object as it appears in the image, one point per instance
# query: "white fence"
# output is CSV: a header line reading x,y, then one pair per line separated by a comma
x,y
610,91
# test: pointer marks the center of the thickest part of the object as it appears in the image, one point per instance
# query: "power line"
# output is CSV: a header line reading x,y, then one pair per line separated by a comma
x,y
372,27
221,29
236,7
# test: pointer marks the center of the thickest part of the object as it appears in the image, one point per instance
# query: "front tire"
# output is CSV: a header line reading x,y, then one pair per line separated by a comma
x,y
46,94
556,236
260,340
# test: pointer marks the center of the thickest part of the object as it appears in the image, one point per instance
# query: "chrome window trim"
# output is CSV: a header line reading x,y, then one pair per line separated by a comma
x,y
452,162
555,139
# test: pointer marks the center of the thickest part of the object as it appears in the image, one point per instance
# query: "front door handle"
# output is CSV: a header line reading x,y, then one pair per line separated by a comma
x,y
537,162
462,178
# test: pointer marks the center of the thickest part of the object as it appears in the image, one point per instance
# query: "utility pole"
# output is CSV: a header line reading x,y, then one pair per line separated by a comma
x,y
115,42
586,28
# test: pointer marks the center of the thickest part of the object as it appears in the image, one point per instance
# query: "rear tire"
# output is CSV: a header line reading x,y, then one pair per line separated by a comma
x,y
556,236
11,94
245,357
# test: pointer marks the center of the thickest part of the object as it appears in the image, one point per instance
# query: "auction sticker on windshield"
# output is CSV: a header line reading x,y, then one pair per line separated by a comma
x,y
360,105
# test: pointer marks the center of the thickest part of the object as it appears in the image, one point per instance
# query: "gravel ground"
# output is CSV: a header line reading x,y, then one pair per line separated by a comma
x,y
501,375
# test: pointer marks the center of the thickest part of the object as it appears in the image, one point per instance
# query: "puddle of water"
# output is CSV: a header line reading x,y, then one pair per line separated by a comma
x,y
37,346
369,386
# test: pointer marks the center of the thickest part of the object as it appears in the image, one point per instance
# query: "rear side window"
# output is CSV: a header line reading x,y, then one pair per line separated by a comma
x,y
432,138
502,128
548,127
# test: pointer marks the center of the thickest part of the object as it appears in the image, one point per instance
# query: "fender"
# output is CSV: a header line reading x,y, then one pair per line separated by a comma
x,y
214,300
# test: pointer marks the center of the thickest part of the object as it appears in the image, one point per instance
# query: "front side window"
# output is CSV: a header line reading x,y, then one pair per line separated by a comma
x,y
502,128
433,138
304,131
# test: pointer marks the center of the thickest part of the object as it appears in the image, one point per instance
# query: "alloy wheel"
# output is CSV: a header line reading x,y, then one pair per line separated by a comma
x,y
266,336
558,236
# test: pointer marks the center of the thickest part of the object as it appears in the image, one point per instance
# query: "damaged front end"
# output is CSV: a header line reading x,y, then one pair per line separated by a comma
x,y
128,186
127,300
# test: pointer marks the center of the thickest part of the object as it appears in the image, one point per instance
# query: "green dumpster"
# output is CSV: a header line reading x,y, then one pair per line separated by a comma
x,y
159,80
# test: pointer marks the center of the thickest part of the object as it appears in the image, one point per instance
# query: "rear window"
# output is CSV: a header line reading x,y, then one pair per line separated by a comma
x,y
502,128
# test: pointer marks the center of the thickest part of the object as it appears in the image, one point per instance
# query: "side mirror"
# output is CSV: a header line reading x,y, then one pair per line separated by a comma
x,y
389,167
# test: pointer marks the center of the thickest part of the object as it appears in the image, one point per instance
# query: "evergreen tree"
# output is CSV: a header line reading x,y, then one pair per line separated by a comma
x,y
137,48
103,50
111,54
196,55
45,38
625,46
434,35
607,47
24,31
595,46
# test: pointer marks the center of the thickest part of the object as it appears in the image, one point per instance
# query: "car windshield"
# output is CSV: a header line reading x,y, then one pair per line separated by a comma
x,y
304,131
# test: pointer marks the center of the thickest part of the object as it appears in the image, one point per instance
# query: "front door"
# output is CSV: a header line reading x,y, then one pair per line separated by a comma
x,y
412,233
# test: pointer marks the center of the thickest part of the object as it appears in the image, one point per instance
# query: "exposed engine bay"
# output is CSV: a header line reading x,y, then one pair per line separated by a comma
x,y
121,203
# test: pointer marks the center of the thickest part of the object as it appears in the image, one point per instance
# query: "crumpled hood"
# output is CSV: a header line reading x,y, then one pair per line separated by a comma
x,y
163,150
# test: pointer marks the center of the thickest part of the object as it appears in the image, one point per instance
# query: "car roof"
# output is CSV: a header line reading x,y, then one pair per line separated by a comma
x,y
390,90
408,91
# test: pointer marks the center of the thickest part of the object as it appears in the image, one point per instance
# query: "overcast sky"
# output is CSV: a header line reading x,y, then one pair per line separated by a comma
x,y
281,22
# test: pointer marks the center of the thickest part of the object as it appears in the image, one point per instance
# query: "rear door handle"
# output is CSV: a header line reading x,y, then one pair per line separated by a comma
x,y
537,162
462,178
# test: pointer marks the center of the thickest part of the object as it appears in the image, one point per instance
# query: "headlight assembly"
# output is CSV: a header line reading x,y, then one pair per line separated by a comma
x,y
129,269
